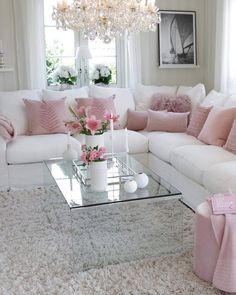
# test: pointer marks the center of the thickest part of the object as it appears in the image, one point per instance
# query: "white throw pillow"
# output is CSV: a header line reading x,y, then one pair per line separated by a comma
x,y
13,107
230,101
215,98
196,93
124,99
144,93
70,95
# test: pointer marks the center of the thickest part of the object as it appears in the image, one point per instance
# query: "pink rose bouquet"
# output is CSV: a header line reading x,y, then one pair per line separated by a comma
x,y
89,125
92,154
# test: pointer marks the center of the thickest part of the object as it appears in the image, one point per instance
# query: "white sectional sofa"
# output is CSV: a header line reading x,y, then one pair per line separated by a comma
x,y
196,169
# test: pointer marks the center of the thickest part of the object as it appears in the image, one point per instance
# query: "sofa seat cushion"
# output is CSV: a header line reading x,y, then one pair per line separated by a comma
x,y
162,144
138,143
221,177
36,148
194,160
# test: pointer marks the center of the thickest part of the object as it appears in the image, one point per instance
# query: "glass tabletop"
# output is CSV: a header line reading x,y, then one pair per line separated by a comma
x,y
75,187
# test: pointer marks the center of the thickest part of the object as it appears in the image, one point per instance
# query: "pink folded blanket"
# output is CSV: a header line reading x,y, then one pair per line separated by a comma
x,y
224,227
7,130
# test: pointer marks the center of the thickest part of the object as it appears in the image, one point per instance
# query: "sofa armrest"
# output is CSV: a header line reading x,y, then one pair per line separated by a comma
x,y
3,163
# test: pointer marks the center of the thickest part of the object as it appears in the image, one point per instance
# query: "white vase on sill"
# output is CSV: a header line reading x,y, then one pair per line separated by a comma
x,y
94,140
98,176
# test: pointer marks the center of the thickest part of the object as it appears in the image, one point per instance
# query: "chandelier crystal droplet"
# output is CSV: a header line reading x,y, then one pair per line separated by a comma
x,y
106,19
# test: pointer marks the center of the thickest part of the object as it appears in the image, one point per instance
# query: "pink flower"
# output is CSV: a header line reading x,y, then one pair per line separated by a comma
x,y
82,111
83,147
93,124
93,155
110,116
74,126
84,157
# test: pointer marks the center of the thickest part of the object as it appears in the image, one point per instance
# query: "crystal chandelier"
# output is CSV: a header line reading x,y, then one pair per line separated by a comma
x,y
106,19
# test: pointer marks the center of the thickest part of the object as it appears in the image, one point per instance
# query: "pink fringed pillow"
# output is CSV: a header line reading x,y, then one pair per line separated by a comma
x,y
197,120
167,121
231,141
171,103
137,120
97,106
217,126
46,117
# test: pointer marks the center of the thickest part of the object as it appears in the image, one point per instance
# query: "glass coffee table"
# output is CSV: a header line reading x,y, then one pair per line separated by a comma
x,y
114,226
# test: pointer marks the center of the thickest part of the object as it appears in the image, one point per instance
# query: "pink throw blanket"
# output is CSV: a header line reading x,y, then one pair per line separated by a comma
x,y
7,130
224,227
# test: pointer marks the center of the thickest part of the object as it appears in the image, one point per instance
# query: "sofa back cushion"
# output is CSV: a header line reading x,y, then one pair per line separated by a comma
x,y
69,95
217,126
230,101
215,98
167,121
171,103
197,120
123,101
12,106
231,140
46,117
143,94
137,120
196,93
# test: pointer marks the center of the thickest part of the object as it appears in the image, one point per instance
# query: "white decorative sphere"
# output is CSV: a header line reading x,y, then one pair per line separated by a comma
x,y
130,186
142,180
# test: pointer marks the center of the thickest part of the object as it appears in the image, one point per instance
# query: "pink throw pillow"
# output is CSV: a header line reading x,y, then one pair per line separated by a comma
x,y
231,141
136,120
217,126
167,121
171,103
97,106
46,117
197,120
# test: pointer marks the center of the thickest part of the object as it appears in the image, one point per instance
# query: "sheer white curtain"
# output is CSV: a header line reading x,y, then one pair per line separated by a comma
x,y
225,56
134,60
30,45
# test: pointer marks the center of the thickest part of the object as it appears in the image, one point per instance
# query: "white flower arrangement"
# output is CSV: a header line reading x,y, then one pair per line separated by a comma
x,y
65,75
102,74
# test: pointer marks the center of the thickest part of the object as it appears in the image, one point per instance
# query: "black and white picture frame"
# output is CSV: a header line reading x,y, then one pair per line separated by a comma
x,y
177,39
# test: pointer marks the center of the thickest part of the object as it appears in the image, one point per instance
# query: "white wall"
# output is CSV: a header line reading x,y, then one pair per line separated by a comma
x,y
8,80
152,74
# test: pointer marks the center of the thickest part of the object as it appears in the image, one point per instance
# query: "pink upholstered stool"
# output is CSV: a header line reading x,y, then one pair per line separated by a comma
x,y
206,250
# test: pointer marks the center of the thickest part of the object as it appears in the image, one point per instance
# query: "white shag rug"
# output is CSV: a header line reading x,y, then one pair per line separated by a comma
x,y
35,257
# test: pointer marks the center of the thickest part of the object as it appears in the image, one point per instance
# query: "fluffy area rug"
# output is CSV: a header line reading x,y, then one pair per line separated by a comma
x,y
35,256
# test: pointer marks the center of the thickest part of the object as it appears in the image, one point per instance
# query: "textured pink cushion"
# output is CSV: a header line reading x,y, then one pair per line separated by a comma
x,y
171,103
97,106
167,121
231,141
137,120
217,126
197,120
46,117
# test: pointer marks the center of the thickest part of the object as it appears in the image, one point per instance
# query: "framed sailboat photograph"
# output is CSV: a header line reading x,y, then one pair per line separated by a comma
x,y
177,39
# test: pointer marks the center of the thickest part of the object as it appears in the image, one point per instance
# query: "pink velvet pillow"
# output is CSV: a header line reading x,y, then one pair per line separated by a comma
x,y
231,141
171,103
137,120
97,106
217,126
197,120
167,121
46,117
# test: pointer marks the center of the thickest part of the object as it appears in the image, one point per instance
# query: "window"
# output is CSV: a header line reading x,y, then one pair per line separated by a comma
x,y
61,47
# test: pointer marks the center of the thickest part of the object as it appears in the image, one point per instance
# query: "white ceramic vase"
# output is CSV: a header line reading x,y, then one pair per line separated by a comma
x,y
98,175
94,140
